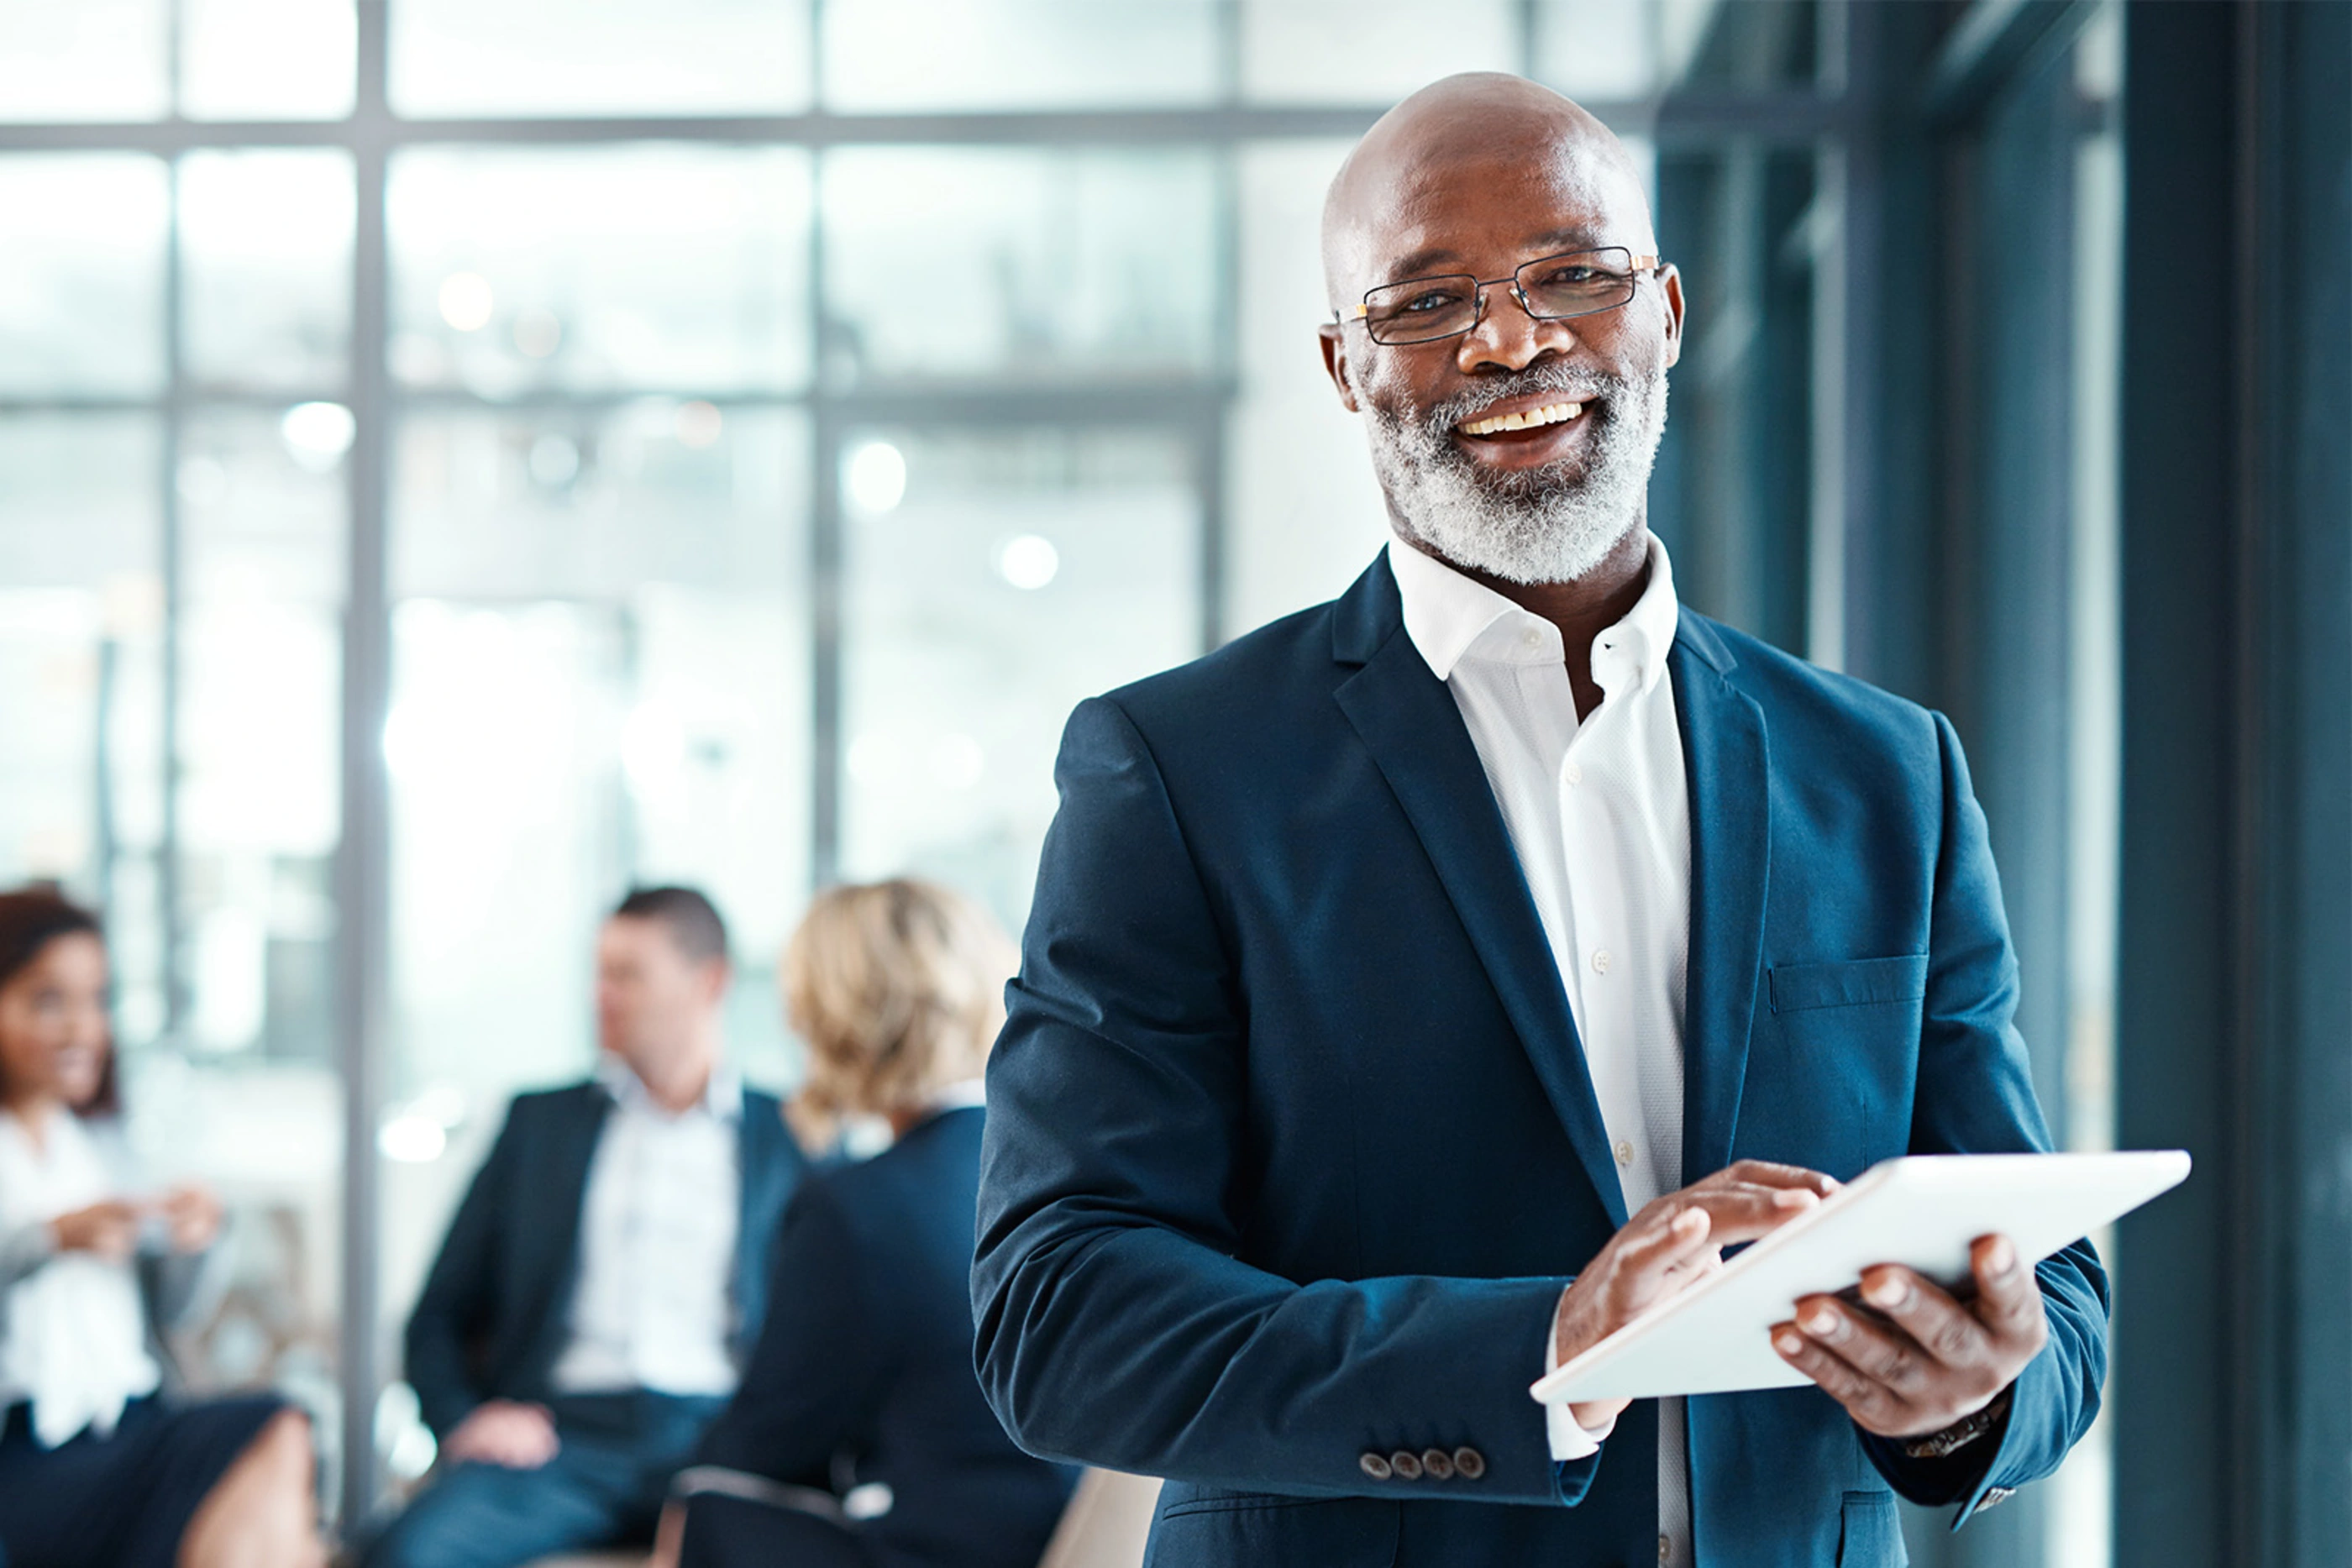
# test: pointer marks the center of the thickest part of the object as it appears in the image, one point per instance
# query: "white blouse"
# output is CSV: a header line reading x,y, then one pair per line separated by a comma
x,y
73,1330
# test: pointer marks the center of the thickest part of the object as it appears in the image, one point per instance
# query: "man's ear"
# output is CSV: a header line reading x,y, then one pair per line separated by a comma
x,y
1670,284
1335,362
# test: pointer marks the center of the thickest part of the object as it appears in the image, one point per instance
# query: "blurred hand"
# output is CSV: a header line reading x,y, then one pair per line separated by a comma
x,y
1671,1242
503,1432
669,1537
1930,1361
193,1215
107,1230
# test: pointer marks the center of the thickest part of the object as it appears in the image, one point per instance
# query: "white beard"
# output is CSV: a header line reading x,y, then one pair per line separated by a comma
x,y
1553,524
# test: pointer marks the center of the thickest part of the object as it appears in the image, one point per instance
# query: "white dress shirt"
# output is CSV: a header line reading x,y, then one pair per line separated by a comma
x,y
1599,813
73,1330
654,1303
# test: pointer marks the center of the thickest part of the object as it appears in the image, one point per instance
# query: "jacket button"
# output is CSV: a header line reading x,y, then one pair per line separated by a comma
x,y
1437,1464
1405,1464
1374,1466
1469,1464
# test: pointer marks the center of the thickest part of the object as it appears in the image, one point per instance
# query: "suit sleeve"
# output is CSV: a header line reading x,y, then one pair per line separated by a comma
x,y
454,1306
1116,1325
823,1358
1976,1096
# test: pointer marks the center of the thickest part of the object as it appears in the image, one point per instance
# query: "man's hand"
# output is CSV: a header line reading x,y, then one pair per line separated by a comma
x,y
669,1537
1934,1360
191,1217
1672,1241
107,1230
503,1432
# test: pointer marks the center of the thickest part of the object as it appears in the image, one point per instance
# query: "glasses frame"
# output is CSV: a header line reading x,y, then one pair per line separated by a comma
x,y
1635,264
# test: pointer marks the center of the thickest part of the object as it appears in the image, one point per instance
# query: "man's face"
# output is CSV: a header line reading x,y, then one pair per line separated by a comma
x,y
651,997
1545,502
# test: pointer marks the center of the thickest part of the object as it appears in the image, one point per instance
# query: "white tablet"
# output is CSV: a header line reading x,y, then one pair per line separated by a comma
x,y
1922,1212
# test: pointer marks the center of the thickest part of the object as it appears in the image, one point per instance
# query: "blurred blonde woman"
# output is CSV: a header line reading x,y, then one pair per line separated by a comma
x,y
859,1438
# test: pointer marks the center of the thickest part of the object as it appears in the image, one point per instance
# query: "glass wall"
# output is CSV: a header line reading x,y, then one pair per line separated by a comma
x,y
787,413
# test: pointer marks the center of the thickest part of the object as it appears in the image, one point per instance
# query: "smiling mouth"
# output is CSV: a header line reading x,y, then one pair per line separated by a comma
x,y
1531,419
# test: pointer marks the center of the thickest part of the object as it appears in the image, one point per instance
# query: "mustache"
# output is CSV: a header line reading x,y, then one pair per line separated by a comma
x,y
1573,385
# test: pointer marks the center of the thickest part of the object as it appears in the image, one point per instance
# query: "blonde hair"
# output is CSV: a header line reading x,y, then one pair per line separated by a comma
x,y
897,988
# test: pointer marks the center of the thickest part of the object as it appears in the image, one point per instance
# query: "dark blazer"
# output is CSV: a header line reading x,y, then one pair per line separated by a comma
x,y
870,1378
495,1313
1292,1147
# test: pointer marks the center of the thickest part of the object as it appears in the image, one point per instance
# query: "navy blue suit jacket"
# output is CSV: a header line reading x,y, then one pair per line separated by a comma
x,y
495,1313
870,1378
1292,1147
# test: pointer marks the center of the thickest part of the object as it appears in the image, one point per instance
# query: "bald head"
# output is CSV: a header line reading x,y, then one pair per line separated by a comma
x,y
1532,150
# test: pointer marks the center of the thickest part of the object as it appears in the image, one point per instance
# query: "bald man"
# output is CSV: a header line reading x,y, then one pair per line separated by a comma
x,y
1423,984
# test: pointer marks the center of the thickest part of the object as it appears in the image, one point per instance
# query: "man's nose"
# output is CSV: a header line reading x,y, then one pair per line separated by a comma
x,y
1507,337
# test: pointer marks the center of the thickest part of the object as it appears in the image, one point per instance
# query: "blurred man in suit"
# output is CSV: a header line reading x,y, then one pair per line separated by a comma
x,y
607,1272
1422,985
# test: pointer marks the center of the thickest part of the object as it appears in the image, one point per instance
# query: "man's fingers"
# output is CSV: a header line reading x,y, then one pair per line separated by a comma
x,y
1946,1330
1866,1399
1651,1253
1743,1213
1766,1173
2009,1301
1886,1354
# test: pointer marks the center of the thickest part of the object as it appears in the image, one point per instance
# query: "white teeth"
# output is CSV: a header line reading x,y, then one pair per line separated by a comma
x,y
1551,413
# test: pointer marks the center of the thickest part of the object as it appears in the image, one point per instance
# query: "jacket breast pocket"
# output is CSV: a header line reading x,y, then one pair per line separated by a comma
x,y
1870,1535
1206,1527
1856,982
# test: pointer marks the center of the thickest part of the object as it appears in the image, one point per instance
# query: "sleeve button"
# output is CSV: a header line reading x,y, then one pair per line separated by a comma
x,y
1373,1466
1469,1464
1437,1464
1406,1465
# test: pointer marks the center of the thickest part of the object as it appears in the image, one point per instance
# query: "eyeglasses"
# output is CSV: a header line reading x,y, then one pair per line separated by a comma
x,y
1549,288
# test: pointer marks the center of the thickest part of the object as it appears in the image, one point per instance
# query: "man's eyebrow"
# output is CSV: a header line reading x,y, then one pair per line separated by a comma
x,y
1440,259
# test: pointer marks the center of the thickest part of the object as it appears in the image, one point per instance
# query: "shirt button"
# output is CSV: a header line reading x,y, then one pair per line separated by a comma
x,y
1575,774
1531,637
1665,1549
1601,960
1624,1151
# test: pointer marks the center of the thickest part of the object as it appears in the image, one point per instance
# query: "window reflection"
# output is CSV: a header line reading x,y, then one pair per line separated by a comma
x,y
1732,495
1369,51
599,57
81,297
265,241
93,59
266,59
1016,572
1018,263
639,267
933,55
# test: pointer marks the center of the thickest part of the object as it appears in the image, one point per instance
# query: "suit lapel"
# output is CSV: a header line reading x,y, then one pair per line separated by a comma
x,y
1724,753
562,1186
1409,721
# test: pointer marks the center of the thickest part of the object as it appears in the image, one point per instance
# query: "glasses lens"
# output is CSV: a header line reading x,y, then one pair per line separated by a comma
x,y
1578,283
1422,308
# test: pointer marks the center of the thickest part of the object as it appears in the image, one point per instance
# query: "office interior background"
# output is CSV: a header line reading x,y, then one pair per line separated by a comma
x,y
460,457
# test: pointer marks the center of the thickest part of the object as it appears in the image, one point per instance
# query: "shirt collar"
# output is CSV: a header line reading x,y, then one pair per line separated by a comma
x,y
722,1097
1451,617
